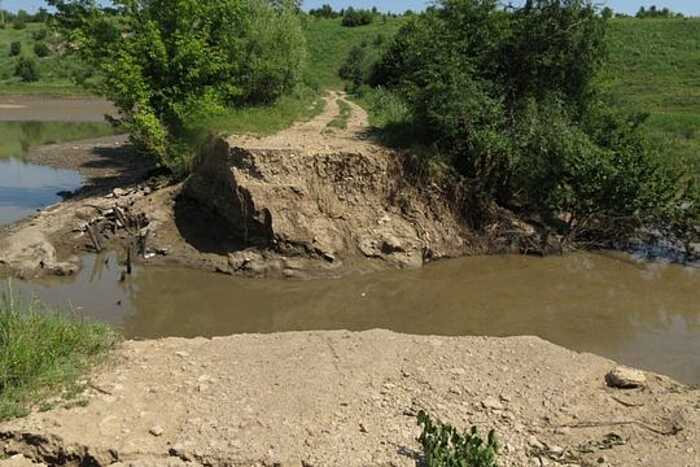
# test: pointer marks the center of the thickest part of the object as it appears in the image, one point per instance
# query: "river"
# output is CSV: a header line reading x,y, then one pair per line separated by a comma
x,y
644,314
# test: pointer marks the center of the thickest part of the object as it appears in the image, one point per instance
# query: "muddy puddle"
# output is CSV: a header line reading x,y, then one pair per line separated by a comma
x,y
644,315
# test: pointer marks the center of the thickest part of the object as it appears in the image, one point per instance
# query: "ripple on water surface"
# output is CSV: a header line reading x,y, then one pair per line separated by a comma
x,y
642,314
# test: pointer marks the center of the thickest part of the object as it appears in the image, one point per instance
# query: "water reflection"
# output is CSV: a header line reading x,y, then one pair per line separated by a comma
x,y
645,315
25,187
16,138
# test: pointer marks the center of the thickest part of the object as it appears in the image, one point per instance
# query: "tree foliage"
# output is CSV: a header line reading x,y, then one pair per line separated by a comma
x,y
166,63
27,70
510,98
357,17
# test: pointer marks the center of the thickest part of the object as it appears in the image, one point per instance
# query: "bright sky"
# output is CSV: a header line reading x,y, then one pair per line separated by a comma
x,y
688,7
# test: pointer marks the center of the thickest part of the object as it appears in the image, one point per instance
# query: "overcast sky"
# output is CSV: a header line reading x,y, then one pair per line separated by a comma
x,y
688,7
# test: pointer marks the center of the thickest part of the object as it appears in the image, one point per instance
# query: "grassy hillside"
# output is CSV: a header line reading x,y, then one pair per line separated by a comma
x,y
329,44
655,68
54,71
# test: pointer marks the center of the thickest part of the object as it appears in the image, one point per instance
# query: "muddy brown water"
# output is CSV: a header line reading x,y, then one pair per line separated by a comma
x,y
642,314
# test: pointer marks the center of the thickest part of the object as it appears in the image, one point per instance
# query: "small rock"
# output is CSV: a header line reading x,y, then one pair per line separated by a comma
x,y
492,403
117,192
556,450
625,378
535,443
182,354
157,431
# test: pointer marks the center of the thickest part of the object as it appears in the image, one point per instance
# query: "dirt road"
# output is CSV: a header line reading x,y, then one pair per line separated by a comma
x,y
345,399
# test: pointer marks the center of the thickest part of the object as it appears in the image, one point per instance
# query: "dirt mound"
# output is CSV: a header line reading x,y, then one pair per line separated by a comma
x,y
327,195
350,399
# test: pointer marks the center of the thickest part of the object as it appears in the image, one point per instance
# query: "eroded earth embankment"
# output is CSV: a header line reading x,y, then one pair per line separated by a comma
x,y
351,399
316,199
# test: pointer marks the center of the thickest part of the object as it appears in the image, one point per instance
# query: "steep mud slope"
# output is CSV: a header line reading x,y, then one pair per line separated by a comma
x,y
328,194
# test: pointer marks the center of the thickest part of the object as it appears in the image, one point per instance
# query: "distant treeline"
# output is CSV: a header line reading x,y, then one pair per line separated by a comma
x,y
23,17
353,16
643,13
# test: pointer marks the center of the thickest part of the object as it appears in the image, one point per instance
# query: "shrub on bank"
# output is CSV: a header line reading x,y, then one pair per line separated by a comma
x,y
520,120
43,353
167,65
15,48
27,70
41,50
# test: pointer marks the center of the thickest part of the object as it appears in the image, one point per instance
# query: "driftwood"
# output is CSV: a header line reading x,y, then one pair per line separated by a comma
x,y
112,220
94,238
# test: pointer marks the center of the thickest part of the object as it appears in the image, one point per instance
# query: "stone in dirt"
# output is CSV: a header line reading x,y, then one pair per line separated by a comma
x,y
625,378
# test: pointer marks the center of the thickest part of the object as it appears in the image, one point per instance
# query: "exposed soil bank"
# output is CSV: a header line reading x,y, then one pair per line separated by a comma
x,y
338,398
309,201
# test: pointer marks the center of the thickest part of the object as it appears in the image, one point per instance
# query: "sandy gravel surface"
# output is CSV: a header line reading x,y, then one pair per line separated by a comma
x,y
350,399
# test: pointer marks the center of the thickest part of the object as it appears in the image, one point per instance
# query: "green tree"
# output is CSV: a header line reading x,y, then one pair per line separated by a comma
x,y
41,50
510,101
27,70
15,48
168,63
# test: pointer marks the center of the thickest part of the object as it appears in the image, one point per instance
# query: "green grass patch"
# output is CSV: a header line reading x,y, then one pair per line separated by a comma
x,y
653,68
341,121
265,120
43,354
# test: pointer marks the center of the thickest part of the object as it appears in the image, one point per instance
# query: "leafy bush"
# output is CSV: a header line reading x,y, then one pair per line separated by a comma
x,y
41,50
326,11
444,446
509,99
353,18
19,25
15,49
165,65
360,63
27,70
40,35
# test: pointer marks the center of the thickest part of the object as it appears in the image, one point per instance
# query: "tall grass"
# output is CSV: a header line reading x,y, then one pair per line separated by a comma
x,y
43,353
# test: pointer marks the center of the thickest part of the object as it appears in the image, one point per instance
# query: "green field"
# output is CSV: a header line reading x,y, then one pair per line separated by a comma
x,y
654,67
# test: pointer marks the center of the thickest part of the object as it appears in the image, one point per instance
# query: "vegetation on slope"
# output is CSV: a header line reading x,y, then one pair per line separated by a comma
x,y
167,66
519,120
44,353
329,44
653,68
57,73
